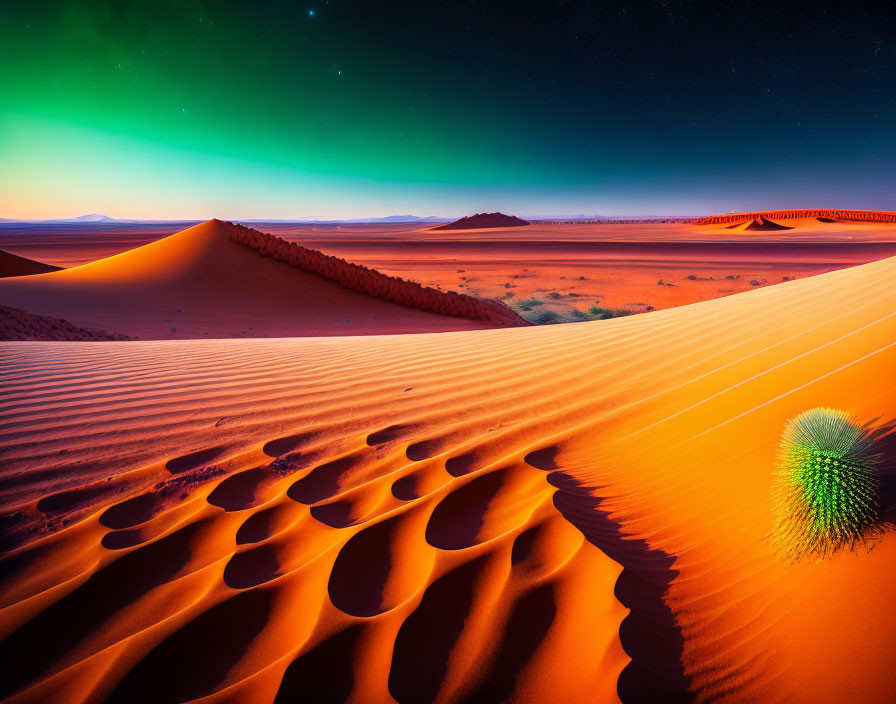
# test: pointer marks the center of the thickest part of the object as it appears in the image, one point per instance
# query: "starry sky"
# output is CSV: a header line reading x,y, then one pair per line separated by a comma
x,y
188,109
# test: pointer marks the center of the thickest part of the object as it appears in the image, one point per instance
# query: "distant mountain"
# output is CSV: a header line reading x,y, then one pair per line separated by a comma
x,y
90,218
93,217
407,218
484,220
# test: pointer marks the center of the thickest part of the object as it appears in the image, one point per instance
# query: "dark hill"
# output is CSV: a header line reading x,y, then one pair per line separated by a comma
x,y
763,224
483,220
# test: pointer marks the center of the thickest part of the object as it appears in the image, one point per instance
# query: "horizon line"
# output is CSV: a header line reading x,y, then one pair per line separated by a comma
x,y
99,218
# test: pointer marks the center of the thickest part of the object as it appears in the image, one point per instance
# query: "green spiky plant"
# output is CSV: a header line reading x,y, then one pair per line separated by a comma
x,y
825,493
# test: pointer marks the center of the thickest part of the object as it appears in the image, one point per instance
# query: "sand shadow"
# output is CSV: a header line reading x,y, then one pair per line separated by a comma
x,y
195,660
42,645
650,634
884,438
323,674
194,460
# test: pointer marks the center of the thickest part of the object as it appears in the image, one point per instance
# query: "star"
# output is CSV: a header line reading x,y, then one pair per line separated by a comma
x,y
311,13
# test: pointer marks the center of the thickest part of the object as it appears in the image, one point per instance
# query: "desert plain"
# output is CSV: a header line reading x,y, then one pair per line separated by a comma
x,y
298,481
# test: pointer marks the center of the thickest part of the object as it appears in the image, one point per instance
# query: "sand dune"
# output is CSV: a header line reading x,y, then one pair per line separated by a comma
x,y
73,244
763,224
572,513
202,283
14,265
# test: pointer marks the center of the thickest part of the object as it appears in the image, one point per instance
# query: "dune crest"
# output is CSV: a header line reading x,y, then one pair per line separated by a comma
x,y
457,517
202,282
820,214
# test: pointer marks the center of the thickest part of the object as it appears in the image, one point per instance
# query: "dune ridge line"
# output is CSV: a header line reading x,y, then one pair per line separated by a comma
x,y
738,218
374,283
851,215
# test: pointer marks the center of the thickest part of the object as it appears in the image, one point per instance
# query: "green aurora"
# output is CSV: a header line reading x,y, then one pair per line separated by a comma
x,y
191,109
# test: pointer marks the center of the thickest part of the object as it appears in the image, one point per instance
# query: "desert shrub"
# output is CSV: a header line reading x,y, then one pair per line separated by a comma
x,y
579,314
606,313
543,317
825,492
529,304
600,313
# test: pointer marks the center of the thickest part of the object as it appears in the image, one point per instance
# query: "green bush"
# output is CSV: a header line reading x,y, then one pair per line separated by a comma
x,y
543,317
531,302
605,313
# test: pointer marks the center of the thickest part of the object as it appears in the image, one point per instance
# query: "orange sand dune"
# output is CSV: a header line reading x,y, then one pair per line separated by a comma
x,y
566,269
200,282
761,224
569,268
14,265
570,513
73,244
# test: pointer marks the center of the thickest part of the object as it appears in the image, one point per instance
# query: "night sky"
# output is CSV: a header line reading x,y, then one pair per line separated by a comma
x,y
342,109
